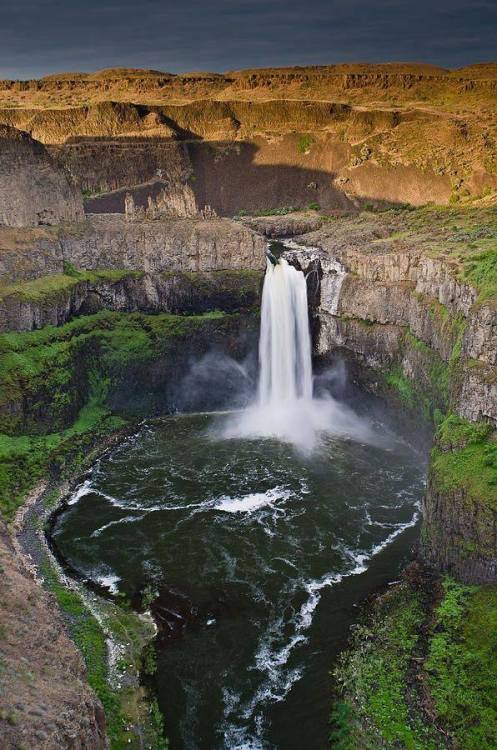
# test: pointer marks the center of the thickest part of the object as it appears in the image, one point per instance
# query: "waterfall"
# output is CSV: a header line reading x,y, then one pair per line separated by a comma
x,y
285,408
285,342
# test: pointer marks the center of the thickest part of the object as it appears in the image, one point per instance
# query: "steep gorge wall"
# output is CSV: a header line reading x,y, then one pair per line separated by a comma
x,y
423,335
108,263
280,146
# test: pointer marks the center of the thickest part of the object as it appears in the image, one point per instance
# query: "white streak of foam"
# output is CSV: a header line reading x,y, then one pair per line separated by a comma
x,y
109,581
271,660
84,489
253,501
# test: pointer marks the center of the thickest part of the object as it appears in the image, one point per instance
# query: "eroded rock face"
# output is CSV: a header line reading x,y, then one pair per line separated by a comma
x,y
45,701
109,242
33,189
154,246
406,315
459,536
173,292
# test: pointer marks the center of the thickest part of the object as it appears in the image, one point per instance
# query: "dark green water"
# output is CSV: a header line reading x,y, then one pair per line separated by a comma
x,y
260,555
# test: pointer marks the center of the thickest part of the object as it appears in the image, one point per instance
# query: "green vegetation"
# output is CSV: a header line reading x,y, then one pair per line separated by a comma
x,y
55,385
120,707
280,211
481,272
428,392
450,650
305,143
90,639
465,236
462,664
46,289
464,458
377,703
396,379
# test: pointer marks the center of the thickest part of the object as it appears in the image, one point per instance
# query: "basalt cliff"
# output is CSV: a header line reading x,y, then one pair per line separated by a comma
x,y
135,208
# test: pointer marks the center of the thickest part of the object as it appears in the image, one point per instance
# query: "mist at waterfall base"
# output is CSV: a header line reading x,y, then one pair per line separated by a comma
x,y
285,408
258,532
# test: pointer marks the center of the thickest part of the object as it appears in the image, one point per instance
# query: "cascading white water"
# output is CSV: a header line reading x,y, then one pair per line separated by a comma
x,y
285,342
285,408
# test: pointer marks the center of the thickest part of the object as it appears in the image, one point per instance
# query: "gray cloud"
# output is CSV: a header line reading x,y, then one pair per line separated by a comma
x,y
43,36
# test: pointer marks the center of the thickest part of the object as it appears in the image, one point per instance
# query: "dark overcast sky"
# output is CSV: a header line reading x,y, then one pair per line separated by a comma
x,y
45,36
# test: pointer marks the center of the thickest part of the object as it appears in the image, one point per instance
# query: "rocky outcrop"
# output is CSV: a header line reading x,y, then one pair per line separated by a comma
x,y
34,190
109,242
45,701
459,536
169,292
107,163
413,292
400,133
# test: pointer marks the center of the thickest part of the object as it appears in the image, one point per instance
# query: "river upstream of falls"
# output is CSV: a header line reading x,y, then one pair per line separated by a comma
x,y
259,531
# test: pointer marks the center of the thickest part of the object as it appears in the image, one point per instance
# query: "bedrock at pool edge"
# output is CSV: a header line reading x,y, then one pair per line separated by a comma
x,y
91,312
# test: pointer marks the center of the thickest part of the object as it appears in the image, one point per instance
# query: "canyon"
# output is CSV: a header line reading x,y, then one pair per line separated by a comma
x,y
135,210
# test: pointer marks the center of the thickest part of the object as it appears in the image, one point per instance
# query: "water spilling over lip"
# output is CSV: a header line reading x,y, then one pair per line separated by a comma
x,y
285,408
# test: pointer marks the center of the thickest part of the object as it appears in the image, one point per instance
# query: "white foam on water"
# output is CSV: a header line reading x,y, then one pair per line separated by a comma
x,y
253,501
117,522
84,489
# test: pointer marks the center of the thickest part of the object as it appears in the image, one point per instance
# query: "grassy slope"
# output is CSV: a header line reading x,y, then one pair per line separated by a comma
x,y
465,457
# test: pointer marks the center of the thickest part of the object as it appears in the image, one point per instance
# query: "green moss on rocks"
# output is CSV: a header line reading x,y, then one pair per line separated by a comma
x,y
55,386
49,289
461,664
378,701
481,272
422,671
421,379
465,458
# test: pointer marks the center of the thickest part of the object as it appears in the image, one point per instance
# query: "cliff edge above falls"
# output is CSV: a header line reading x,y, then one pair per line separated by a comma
x,y
50,275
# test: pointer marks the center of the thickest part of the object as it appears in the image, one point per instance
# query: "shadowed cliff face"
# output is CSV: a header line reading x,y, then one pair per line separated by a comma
x,y
34,190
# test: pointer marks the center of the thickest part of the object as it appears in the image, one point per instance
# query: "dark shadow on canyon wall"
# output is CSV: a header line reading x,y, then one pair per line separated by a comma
x,y
226,176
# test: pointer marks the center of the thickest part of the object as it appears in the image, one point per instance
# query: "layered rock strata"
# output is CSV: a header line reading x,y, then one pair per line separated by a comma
x,y
409,319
